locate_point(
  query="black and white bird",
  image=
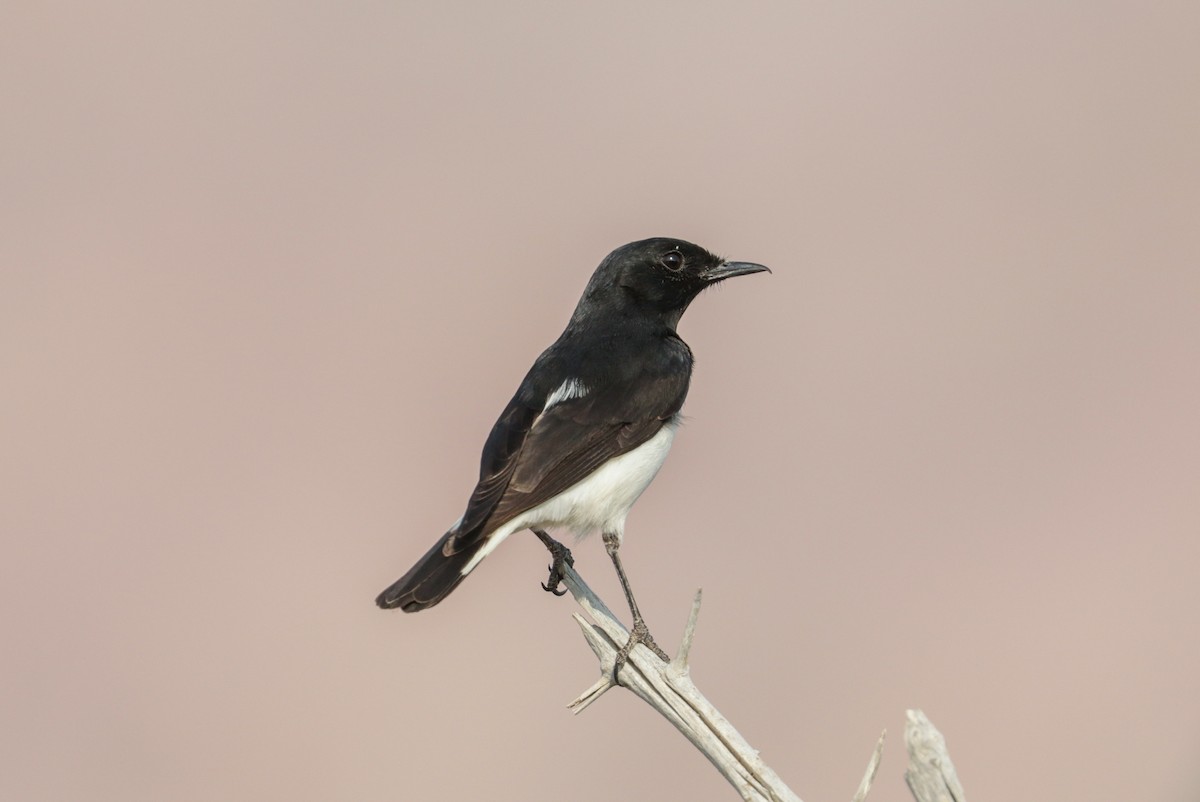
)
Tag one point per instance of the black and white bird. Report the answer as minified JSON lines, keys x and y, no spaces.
{"x":590,"y":425}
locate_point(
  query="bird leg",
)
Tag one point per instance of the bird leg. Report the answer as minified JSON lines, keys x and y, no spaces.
{"x":640,"y":632}
{"x":562,"y":556}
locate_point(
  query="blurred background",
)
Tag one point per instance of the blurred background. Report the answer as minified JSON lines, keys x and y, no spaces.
{"x":270,"y":270}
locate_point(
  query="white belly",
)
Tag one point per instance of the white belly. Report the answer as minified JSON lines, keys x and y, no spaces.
{"x":600,"y":501}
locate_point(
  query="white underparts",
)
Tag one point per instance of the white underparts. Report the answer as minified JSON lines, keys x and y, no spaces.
{"x":600,"y":501}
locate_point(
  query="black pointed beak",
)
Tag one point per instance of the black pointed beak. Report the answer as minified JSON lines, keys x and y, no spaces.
{"x":730,"y":269}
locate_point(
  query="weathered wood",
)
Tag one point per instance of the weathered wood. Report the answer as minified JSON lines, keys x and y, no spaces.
{"x":872,"y":768}
{"x":668,"y":688}
{"x":930,"y":775}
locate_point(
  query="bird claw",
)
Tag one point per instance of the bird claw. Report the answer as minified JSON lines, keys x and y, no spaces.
{"x":639,"y":634}
{"x":562,"y":556}
{"x":555,"y":578}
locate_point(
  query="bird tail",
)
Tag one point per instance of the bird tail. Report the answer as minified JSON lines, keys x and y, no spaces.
{"x":432,"y":578}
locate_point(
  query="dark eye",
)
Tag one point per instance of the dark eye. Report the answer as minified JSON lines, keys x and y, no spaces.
{"x":672,"y":260}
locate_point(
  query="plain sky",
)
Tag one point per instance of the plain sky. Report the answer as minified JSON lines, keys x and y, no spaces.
{"x":269,"y":271}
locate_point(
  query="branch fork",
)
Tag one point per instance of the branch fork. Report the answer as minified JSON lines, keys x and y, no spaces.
{"x":668,"y":688}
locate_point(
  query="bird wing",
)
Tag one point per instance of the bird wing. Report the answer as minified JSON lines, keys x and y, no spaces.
{"x":537,"y":451}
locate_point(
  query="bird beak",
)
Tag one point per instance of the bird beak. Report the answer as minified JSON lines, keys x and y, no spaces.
{"x":731,"y":269}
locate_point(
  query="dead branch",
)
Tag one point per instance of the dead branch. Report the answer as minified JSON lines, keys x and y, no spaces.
{"x":930,"y":775}
{"x":668,"y":688}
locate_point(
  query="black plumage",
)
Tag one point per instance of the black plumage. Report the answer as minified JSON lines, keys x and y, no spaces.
{"x":616,"y":377}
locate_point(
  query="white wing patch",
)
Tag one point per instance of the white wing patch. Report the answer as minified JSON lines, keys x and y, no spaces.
{"x":571,"y":388}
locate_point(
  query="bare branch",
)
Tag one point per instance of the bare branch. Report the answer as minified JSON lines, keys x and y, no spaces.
{"x":930,"y":775}
{"x":872,"y":766}
{"x":668,"y":688}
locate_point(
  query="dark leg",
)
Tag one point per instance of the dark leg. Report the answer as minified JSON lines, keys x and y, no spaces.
{"x":640,"y":632}
{"x":562,"y":556}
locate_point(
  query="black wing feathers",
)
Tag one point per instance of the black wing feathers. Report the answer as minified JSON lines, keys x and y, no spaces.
{"x":533,"y":454}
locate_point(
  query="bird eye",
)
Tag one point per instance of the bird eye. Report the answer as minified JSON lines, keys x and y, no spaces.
{"x":672,"y":260}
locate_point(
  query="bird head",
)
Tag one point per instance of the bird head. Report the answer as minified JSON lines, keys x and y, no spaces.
{"x":656,"y":278}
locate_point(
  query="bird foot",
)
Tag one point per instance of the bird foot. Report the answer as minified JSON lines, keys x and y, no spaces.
{"x":562,"y":556}
{"x":639,"y":634}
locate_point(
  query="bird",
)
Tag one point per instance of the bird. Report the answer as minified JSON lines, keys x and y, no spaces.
{"x":589,"y":426}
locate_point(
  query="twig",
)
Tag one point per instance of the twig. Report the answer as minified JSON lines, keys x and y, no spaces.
{"x":872,"y":767}
{"x":667,"y":688}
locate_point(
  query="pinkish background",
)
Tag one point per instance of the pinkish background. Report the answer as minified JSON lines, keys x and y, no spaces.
{"x":269,"y":271}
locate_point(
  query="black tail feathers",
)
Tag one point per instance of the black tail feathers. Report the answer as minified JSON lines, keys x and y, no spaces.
{"x":431,"y":579}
